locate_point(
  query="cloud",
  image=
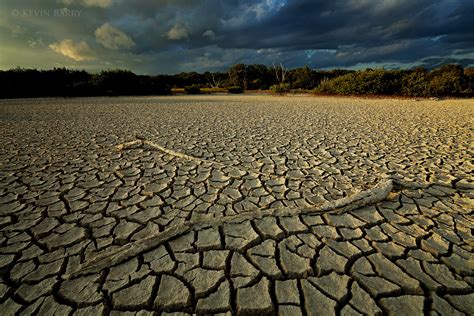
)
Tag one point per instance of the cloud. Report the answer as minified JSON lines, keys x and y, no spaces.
{"x":267,"y":6}
{"x":88,"y":3}
{"x":318,"y":33}
{"x":177,"y":32}
{"x":79,"y":51}
{"x":35,"y":43}
{"x":209,"y":34}
{"x":113,"y":38}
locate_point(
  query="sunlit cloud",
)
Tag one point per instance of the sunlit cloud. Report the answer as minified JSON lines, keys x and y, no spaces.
{"x":177,"y":32}
{"x":79,"y":51}
{"x":113,"y":38}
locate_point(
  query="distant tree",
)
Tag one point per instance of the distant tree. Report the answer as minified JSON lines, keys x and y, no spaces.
{"x":280,"y":72}
{"x":238,"y":76}
{"x":194,"y":89}
{"x":469,"y":74}
{"x":334,"y":73}
{"x":214,"y":79}
{"x":153,"y":85}
{"x":235,"y":90}
{"x":447,"y":80}
{"x":302,"y":78}
{"x":416,"y":83}
{"x":370,"y":81}
{"x":116,"y":82}
{"x":469,"y":81}
{"x":280,"y":88}
{"x":258,"y":77}
{"x":189,"y":78}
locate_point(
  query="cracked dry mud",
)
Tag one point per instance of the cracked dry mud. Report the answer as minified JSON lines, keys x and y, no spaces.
{"x":242,"y":205}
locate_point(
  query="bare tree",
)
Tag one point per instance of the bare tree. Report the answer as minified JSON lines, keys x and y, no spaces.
{"x":216,"y":83}
{"x":280,"y":72}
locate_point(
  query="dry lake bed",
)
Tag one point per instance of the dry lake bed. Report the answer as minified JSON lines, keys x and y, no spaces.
{"x":237,"y":205}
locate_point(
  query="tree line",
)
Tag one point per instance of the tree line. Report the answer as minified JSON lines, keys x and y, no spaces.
{"x":447,"y":80}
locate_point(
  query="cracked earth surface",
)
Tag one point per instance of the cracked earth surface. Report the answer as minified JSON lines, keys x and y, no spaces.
{"x":236,"y":204}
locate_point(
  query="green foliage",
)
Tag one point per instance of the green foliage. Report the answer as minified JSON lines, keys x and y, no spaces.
{"x":124,"y":82}
{"x":303,"y":78}
{"x":280,"y":88}
{"x":115,"y":82}
{"x":238,"y":75}
{"x":469,"y":81}
{"x":26,"y":83}
{"x":371,"y":82}
{"x":250,"y":76}
{"x":300,"y":91}
{"x":448,"y":80}
{"x":153,"y":85}
{"x":259,"y":77}
{"x":235,"y":90}
{"x":184,"y":79}
{"x":192,"y":89}
{"x":64,"y":82}
{"x":341,"y":85}
{"x":416,"y":83}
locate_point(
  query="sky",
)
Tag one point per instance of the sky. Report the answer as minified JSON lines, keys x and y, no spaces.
{"x":172,"y":36}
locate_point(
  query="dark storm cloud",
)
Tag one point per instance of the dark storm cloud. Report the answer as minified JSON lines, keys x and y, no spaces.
{"x":376,"y":29}
{"x":191,"y":35}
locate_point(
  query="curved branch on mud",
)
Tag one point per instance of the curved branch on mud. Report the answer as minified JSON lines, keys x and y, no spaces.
{"x":368,"y":197}
{"x":146,"y":144}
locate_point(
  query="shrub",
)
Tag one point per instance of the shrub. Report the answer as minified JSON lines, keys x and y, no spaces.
{"x":192,"y":89}
{"x":447,"y":80}
{"x":302,"y":78}
{"x":280,"y":88}
{"x":445,"y":84}
{"x":151,"y":86}
{"x":416,"y":83}
{"x":156,"y":90}
{"x":372,"y":82}
{"x":300,"y":91}
{"x":235,"y":90}
{"x":115,"y":82}
{"x":339,"y":85}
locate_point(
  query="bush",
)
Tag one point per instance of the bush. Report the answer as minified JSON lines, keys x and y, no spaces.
{"x":115,"y":82}
{"x":192,"y":90}
{"x":447,"y":80}
{"x":372,"y":82}
{"x":468,"y":82}
{"x":445,"y":84}
{"x":280,"y":88}
{"x":300,"y":91}
{"x":416,"y":83}
{"x":338,"y":85}
{"x":303,"y":78}
{"x":235,"y":90}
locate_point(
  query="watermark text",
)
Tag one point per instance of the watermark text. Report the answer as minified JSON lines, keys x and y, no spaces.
{"x":46,"y":13}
